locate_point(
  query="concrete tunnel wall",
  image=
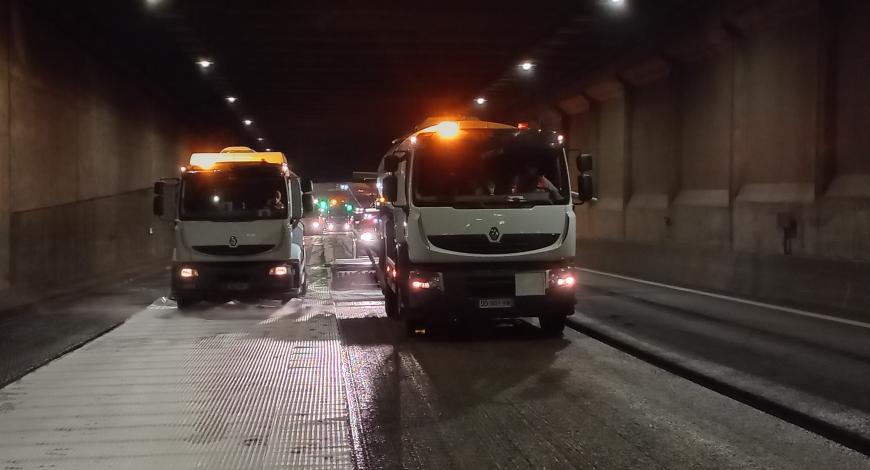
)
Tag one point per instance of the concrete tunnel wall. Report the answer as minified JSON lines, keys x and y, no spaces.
{"x":706,"y":142}
{"x":80,"y":147}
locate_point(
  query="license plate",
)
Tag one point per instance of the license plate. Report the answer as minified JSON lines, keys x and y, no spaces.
{"x":495,"y":303}
{"x":235,"y":286}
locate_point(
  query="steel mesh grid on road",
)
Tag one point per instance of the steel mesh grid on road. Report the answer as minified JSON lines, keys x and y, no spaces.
{"x":235,"y":386}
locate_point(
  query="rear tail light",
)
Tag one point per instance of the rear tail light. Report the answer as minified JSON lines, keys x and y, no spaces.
{"x":563,"y":278}
{"x":425,"y":281}
{"x":278,"y":271}
{"x":188,"y":273}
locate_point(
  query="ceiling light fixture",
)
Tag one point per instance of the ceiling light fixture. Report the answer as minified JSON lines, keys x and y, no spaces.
{"x":204,"y":63}
{"x":232,"y":99}
{"x":248,"y":122}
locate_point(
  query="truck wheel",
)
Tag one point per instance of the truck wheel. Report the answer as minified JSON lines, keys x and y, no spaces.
{"x":184,"y":303}
{"x":391,"y":306}
{"x":553,"y":325}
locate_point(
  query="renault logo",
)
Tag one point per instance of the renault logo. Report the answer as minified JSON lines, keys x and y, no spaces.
{"x":494,"y":234}
{"x":234,"y":242}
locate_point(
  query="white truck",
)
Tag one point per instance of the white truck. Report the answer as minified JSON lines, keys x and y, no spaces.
{"x":238,"y":226}
{"x":479,"y":223}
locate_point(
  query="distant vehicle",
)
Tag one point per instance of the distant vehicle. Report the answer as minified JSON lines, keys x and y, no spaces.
{"x":238,"y":226}
{"x":479,"y":223}
{"x":337,"y":224}
{"x":365,"y":229}
{"x":313,"y":225}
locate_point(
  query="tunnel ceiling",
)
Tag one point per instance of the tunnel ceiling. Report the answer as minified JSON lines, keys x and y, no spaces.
{"x":331,"y":83}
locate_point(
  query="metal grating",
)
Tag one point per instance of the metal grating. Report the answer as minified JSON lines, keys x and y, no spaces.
{"x":229,"y":387}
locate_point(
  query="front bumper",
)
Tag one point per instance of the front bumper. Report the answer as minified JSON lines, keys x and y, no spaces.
{"x":236,"y":280}
{"x":462,"y":291}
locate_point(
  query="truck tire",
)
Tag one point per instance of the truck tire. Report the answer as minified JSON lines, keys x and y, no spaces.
{"x":390,"y":304}
{"x":553,"y":326}
{"x":184,"y":303}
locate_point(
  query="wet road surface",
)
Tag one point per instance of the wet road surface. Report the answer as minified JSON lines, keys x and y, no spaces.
{"x":503,"y":396}
{"x":813,"y":364}
{"x":330,"y":382}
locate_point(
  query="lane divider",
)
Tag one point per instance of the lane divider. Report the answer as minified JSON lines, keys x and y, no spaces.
{"x":816,"y":423}
{"x":754,"y":303}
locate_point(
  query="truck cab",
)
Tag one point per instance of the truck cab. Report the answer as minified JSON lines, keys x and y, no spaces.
{"x":479,"y":223}
{"x":238,"y":227}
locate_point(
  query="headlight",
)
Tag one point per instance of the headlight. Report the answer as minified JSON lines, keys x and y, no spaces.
{"x":347,"y":226}
{"x":316,"y":224}
{"x":330,"y":226}
{"x":367,"y":237}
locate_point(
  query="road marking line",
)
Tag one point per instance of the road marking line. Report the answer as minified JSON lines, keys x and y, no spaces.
{"x":780,"y":308}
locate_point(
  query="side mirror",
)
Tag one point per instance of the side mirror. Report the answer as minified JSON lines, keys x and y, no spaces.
{"x":391,"y":163}
{"x":165,"y":203}
{"x":157,"y":203}
{"x":585,"y":187}
{"x":307,"y":186}
{"x":307,"y":204}
{"x":584,"y":163}
{"x":390,"y":188}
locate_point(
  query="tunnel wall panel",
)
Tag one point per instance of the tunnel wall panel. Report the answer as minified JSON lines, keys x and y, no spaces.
{"x":762,"y":117}
{"x":86,"y":238}
{"x":653,"y":160}
{"x":607,"y":217}
{"x":81,"y":143}
{"x":701,"y":212}
{"x":581,"y":135}
{"x":823,"y":284}
{"x":852,"y":92}
{"x":4,"y":144}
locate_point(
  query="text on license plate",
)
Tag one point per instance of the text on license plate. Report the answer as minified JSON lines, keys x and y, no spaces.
{"x":495,"y":303}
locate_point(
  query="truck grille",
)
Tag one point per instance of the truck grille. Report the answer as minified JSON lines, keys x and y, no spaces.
{"x":480,"y":244}
{"x":224,"y":250}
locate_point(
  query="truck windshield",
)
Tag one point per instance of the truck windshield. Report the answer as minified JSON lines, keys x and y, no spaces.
{"x":487,"y":168}
{"x":233,"y":196}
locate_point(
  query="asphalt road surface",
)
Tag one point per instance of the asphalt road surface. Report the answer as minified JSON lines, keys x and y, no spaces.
{"x":330,"y":382}
{"x":504,"y":397}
